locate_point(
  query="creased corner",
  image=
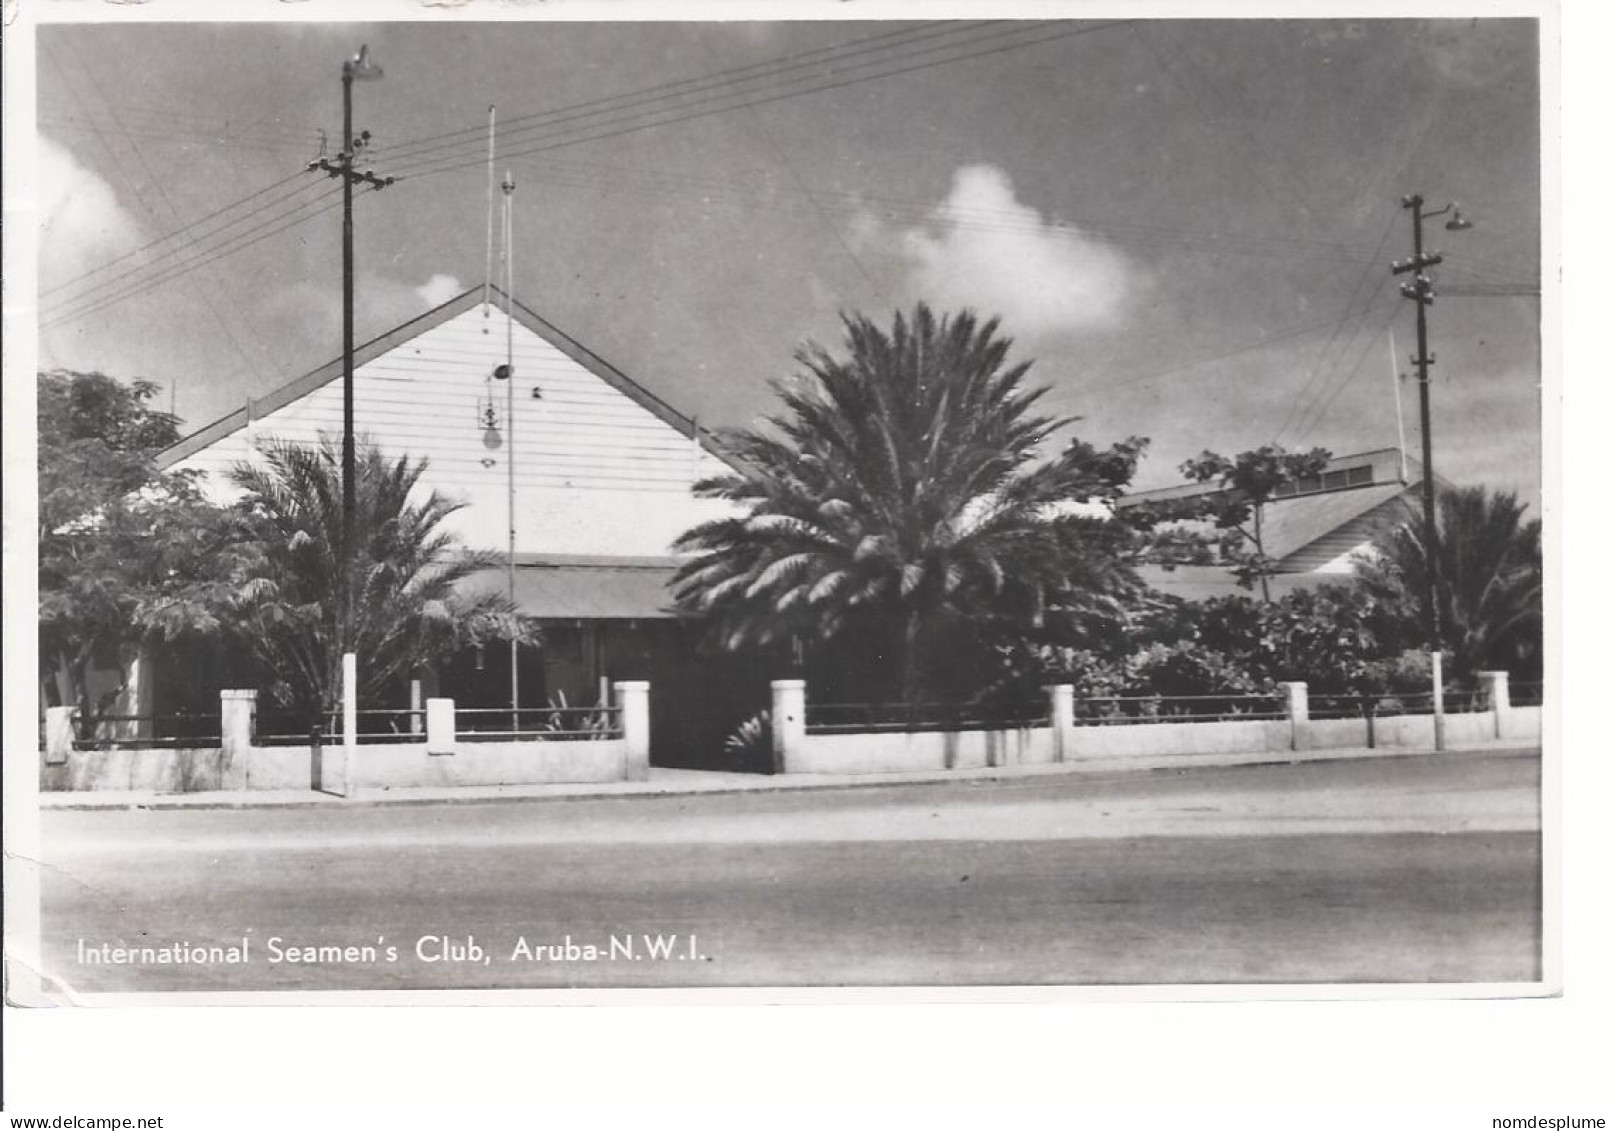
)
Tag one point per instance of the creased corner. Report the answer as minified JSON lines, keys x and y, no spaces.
{"x":29,"y":987}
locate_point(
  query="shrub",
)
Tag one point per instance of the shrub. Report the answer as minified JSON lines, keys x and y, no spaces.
{"x":750,"y":749}
{"x":580,"y":724}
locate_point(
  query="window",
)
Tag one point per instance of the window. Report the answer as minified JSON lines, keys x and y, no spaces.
{"x":1329,"y":481}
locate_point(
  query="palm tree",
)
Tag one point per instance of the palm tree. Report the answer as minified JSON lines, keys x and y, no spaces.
{"x":1489,"y":569}
{"x":408,"y":603}
{"x":901,"y":490}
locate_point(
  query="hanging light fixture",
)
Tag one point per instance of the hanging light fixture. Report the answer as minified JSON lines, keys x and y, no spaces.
{"x":488,"y":421}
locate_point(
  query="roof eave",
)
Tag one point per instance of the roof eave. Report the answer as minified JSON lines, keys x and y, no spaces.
{"x":362,"y":355}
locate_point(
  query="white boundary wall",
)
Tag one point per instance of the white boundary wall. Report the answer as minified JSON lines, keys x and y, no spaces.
{"x":887,"y":752}
{"x":875,"y":752}
{"x":240,"y":765}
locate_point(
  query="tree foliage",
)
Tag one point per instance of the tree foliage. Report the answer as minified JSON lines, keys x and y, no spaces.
{"x":1338,"y":639}
{"x":1489,"y":564}
{"x":1245,"y":484}
{"x":901,"y":489}
{"x":127,"y":553}
{"x":409,"y":604}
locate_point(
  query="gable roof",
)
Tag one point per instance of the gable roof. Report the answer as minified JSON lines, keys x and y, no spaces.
{"x":376,"y":347}
{"x":1383,"y":465}
{"x":1303,"y":532}
{"x":1289,"y":526}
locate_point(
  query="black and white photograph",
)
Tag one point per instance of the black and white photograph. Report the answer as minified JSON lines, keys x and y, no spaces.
{"x":565,"y":506}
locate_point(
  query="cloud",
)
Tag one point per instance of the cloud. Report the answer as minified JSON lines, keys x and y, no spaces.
{"x":82,"y":224}
{"x":381,"y":303}
{"x":983,"y":248}
{"x":439,"y":289}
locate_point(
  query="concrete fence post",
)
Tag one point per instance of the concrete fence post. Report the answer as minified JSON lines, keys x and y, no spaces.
{"x":237,"y":709}
{"x":1496,"y":685}
{"x":440,"y":726}
{"x":1062,"y":717}
{"x":633,"y":697}
{"x":1438,"y":707}
{"x":58,"y":735}
{"x":350,"y":724}
{"x":350,"y":701}
{"x":415,"y":726}
{"x":1295,"y":705}
{"x":789,"y":717}
{"x":136,"y":700}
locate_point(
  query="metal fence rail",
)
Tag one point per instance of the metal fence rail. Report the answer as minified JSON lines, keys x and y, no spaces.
{"x":174,"y":730}
{"x":1125,"y":710}
{"x":1527,"y":694}
{"x":377,"y":725}
{"x":865,"y":718}
{"x":1355,"y":706}
{"x":542,"y":724}
{"x":1352,"y":706}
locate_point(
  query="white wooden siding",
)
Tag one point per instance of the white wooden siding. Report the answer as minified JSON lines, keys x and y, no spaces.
{"x":596,"y":473}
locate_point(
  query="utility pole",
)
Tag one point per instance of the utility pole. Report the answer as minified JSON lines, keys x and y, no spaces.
{"x":1421,"y":289}
{"x":342,"y":166}
{"x":509,"y":187}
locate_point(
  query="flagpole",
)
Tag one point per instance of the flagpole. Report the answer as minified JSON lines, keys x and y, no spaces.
{"x":1396,"y":394}
{"x":509,"y":187}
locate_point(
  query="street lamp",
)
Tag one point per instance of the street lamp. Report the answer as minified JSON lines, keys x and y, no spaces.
{"x":357,"y":69}
{"x":1421,"y":289}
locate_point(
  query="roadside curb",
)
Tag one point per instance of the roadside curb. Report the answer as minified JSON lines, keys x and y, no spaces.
{"x":762,"y":784}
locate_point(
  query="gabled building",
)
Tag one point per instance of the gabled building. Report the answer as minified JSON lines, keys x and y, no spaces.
{"x":603,"y":471}
{"x":1313,"y":528}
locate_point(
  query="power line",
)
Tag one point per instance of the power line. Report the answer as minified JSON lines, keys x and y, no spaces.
{"x":170,"y":115}
{"x":132,"y":277}
{"x":1212,"y":242}
{"x":142,"y":288}
{"x":174,"y":234}
{"x":117,"y":159}
{"x":1248,"y":347}
{"x":1351,"y":375}
{"x":776,"y":97}
{"x":171,"y":124}
{"x":162,"y":193}
{"x":1433,"y":115}
{"x":211,"y":255}
{"x":796,"y":175}
{"x":663,"y":91}
{"x":1491,"y":290}
{"x":288,"y":196}
{"x":1122,"y":232}
{"x":1335,"y":375}
{"x":1317,"y":375}
{"x":258,"y":145}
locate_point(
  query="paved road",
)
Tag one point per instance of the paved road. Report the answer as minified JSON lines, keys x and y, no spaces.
{"x":1407,"y":869}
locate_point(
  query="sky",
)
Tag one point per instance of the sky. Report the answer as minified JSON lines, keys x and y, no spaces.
{"x":1186,"y":225}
